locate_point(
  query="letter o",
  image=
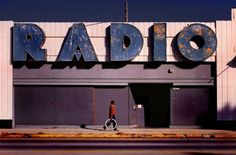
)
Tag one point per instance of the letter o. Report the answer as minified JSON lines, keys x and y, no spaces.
{"x":202,"y":36}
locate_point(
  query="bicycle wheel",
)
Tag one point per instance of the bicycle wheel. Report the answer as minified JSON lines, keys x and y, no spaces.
{"x":111,"y":124}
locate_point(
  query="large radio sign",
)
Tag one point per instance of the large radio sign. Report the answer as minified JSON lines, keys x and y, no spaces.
{"x":126,"y":42}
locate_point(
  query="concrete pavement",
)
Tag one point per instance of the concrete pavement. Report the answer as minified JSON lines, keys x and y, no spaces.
{"x":123,"y":132}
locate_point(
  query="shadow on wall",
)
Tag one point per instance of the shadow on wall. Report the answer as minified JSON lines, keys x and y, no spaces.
{"x":229,"y":114}
{"x":206,"y":120}
{"x":177,"y":54}
{"x":232,"y":63}
{"x":29,"y":65}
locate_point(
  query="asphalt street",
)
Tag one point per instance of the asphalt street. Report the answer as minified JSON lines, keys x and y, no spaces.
{"x":117,"y":146}
{"x":92,"y":140}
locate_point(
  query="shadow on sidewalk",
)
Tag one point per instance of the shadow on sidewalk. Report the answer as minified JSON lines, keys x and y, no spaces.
{"x":83,"y":126}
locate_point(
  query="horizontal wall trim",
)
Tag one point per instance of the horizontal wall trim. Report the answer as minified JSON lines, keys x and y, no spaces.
{"x":112,"y":82}
{"x":74,"y":84}
{"x":193,"y":84}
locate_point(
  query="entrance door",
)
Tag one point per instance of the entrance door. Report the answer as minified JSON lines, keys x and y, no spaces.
{"x":155,"y":99}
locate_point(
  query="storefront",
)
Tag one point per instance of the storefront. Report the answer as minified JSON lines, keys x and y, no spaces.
{"x":50,"y":107}
{"x":159,"y":74}
{"x":65,"y":100}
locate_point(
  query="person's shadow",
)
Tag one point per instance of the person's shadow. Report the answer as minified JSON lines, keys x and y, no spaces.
{"x":83,"y":126}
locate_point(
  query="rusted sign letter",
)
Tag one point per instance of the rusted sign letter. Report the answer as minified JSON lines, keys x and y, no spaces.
{"x":77,"y":44}
{"x":28,"y":39}
{"x":126,"y":42}
{"x":203,"y":39}
{"x":159,"y":42}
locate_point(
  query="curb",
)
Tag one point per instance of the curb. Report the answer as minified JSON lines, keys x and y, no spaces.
{"x":119,"y":135}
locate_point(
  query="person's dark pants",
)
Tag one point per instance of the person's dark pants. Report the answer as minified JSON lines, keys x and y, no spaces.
{"x":114,"y":117}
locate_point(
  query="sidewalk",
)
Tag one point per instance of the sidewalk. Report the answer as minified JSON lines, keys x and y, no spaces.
{"x":123,"y":132}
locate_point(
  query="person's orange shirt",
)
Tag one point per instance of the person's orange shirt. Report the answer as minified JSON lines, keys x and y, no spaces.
{"x":112,"y":110}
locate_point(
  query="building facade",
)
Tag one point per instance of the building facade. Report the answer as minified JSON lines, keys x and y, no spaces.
{"x":159,"y":74}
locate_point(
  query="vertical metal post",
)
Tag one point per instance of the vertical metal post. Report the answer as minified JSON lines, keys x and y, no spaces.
{"x":126,"y":11}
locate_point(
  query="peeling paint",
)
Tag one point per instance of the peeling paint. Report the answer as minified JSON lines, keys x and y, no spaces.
{"x":78,"y":44}
{"x":159,"y":41}
{"x":160,"y":31}
{"x":205,"y":38}
{"x":30,"y":38}
{"x":208,"y":51}
{"x":118,"y":32}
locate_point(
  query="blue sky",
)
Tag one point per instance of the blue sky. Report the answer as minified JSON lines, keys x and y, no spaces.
{"x":113,"y":10}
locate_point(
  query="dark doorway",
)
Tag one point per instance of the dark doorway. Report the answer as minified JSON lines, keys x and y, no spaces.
{"x":155,"y":99}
